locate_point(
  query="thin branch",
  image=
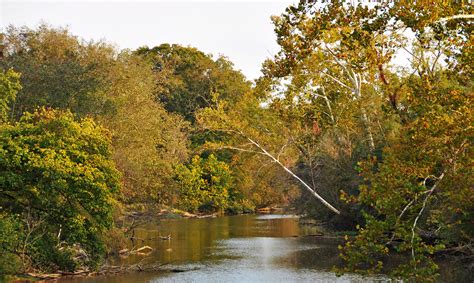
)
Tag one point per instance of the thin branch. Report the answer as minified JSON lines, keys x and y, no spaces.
{"x":438,"y":55}
{"x":411,"y":53}
{"x":281,"y":150}
{"x":337,"y":81}
{"x":425,"y":201}
{"x":328,"y":103}
{"x":339,"y":63}
{"x":264,"y":166}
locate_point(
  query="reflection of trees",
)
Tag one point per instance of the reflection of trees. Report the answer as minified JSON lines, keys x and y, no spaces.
{"x":320,"y":254}
{"x":195,"y":240}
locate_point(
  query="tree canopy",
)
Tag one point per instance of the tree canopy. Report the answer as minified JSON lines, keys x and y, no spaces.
{"x":188,"y":79}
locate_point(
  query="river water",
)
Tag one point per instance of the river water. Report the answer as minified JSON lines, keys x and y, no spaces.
{"x":242,"y":248}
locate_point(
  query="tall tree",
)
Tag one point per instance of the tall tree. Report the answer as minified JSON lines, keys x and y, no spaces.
{"x":58,"y":70}
{"x":188,"y":79}
{"x":148,"y":141}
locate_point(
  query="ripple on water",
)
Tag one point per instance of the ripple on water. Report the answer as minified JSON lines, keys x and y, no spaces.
{"x":242,"y":248}
{"x":275,"y":216}
{"x":261,"y":259}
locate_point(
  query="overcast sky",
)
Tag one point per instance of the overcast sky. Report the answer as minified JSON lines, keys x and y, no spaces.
{"x":240,"y":30}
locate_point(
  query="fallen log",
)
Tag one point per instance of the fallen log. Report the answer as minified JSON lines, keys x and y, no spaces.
{"x":45,"y":276}
{"x":143,"y":249}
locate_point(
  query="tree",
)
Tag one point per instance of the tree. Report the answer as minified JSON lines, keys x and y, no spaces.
{"x":339,"y":56}
{"x":57,"y":187}
{"x":324,"y":83}
{"x":336,"y":78}
{"x":187,"y":79}
{"x":9,"y":87}
{"x":147,"y":140}
{"x":205,"y":184}
{"x":253,"y":129}
{"x":58,"y":70}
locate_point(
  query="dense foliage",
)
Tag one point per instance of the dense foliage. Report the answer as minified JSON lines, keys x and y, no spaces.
{"x":421,"y":195}
{"x":91,"y":79}
{"x":57,"y":189}
{"x":58,"y":70}
{"x":9,"y":87}
{"x":205,"y":184}
{"x":188,"y":80}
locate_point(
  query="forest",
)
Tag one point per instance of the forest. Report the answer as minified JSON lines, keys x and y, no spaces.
{"x":362,"y":120}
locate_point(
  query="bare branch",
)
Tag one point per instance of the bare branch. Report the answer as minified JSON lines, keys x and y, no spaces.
{"x":327,"y":204}
{"x":281,"y":150}
{"x":425,"y":201}
{"x":328,"y":103}
{"x":438,"y":55}
{"x":454,"y":17}
{"x":337,"y":81}
{"x":264,"y":166}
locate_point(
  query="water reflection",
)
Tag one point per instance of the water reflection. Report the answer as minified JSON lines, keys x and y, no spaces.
{"x":192,"y":239}
{"x":244,"y":248}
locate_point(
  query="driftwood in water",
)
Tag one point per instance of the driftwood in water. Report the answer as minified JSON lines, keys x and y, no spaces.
{"x":145,"y":250}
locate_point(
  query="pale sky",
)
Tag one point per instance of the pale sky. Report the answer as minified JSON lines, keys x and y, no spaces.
{"x":240,"y":30}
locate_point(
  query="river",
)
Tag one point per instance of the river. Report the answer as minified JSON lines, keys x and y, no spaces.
{"x":241,"y":248}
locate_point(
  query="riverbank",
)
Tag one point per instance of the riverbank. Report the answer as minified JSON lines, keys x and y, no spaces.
{"x":106,"y":270}
{"x":167,"y":212}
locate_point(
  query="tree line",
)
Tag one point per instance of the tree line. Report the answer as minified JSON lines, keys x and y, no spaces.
{"x":89,"y":131}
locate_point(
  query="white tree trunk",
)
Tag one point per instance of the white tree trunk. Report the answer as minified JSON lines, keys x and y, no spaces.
{"x":306,"y":186}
